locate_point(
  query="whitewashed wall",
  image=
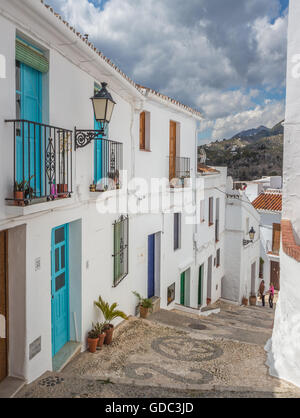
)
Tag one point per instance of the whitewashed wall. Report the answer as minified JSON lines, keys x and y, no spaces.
{"x":284,"y":348}
{"x":239,"y":258}
{"x":68,"y":87}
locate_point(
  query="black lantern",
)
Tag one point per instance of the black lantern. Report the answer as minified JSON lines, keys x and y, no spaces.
{"x":103,"y":105}
{"x":252,"y":233}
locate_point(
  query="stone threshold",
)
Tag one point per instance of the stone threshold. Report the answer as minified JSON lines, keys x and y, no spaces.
{"x":10,"y":386}
{"x":65,"y":355}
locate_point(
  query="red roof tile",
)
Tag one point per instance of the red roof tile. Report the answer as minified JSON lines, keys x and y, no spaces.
{"x":202,"y":168}
{"x":268,"y":201}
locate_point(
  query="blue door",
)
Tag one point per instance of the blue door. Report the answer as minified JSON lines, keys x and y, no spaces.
{"x":151,"y":266}
{"x":28,"y":142}
{"x":60,"y":287}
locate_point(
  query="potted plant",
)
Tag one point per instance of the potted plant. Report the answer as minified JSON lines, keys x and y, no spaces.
{"x":253,"y":299}
{"x":146,"y":305}
{"x":93,"y":188}
{"x":62,"y":190}
{"x":110,"y":313}
{"x":99,"y":329}
{"x":93,"y":339}
{"x":23,"y":190}
{"x":245,"y":301}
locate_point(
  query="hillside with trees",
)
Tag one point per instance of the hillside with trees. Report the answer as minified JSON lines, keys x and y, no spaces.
{"x":249,"y":154}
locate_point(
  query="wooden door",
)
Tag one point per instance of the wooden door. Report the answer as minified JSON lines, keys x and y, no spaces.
{"x":3,"y":306}
{"x":172,"y":161}
{"x":143,"y":131}
{"x":275,"y":275}
{"x":276,"y":238}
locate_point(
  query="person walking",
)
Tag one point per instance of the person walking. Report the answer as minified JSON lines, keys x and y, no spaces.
{"x":262,"y":292}
{"x":271,"y":295}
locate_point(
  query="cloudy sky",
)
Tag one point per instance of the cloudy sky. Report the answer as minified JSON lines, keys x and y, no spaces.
{"x":226,"y":58}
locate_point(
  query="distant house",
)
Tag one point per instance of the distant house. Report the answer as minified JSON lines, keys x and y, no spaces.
{"x":269,"y":206}
{"x":241,"y":248}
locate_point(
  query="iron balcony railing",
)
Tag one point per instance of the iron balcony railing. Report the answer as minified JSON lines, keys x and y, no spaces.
{"x":108,"y":163}
{"x":183,"y":167}
{"x":42,"y":162}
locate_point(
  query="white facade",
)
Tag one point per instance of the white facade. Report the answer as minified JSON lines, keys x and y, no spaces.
{"x":242,"y":259}
{"x":73,"y":69}
{"x":267,"y":220}
{"x":284,"y":347}
{"x":206,"y":244}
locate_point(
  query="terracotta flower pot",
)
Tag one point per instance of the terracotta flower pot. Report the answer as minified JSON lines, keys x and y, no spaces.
{"x":208,"y":301}
{"x":144,"y":312}
{"x":19,"y":196}
{"x":245,"y":301}
{"x":92,"y":342}
{"x":109,"y":334}
{"x":62,"y":190}
{"x":101,"y":340}
{"x":252,"y":300}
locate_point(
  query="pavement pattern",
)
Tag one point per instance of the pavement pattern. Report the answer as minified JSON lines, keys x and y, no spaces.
{"x":175,"y":354}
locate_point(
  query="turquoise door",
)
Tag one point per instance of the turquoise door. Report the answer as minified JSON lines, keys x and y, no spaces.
{"x":60,"y":287}
{"x":28,"y":142}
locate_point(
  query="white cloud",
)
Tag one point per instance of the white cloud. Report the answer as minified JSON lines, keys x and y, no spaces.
{"x":267,"y":115}
{"x":215,"y":55}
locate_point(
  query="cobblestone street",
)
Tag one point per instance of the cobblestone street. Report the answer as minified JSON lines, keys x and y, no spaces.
{"x":175,"y":354}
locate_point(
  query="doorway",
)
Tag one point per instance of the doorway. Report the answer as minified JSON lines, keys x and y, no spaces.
{"x":60,"y":287}
{"x":209,"y":280}
{"x":3,"y":307}
{"x":275,"y":275}
{"x":253,"y":279}
{"x":154,"y":250}
{"x":200,"y":285}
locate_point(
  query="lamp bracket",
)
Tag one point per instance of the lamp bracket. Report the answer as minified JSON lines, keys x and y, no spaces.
{"x":84,"y":137}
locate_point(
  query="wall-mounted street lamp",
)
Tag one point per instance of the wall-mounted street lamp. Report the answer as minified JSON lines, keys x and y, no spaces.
{"x":103,"y":105}
{"x":251,"y":235}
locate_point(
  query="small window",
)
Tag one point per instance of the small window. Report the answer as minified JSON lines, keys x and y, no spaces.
{"x":121,"y":235}
{"x":211,"y":211}
{"x":218,"y":258}
{"x":145,"y":131}
{"x":177,"y":231}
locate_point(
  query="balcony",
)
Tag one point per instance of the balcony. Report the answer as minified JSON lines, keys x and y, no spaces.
{"x":179,"y":170}
{"x":108,"y":163}
{"x":43,"y":165}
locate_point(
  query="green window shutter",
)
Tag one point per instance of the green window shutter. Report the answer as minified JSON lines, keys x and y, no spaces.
{"x":120,"y":250}
{"x":29,"y":56}
{"x":117,"y":244}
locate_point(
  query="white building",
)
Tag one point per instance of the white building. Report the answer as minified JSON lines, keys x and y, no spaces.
{"x":68,"y":239}
{"x":284,"y":347}
{"x":242,"y":251}
{"x":210,"y":234}
{"x":59,"y":252}
{"x":269,"y":206}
